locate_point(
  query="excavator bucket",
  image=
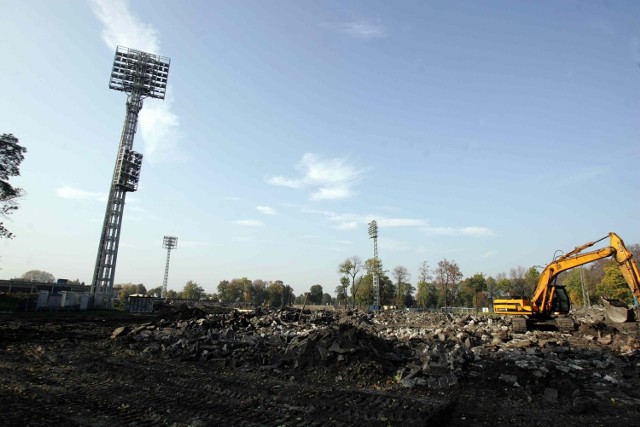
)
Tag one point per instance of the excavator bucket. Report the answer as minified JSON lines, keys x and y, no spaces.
{"x":617,"y":311}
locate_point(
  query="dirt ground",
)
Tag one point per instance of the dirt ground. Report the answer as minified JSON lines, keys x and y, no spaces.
{"x":66,"y":369}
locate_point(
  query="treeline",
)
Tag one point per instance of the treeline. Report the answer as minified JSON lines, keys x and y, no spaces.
{"x":441,"y":286}
{"x":445,"y":285}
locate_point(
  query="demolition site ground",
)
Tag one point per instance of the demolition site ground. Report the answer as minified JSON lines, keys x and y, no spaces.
{"x":188,"y":367}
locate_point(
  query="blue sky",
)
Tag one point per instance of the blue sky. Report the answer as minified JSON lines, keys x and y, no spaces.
{"x":490,"y":133}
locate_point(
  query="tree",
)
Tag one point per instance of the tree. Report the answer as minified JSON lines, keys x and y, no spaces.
{"x":260,"y":295}
{"x":531,"y":278}
{"x":276,"y":292}
{"x":503,"y":285}
{"x":351,"y":267}
{"x":326,"y":299}
{"x":402,"y":276}
{"x":614,"y":285}
{"x":518,"y":284}
{"x":126,"y":289}
{"x":448,"y":275}
{"x":155,"y":292}
{"x":492,"y":288}
{"x":476,"y":284}
{"x":424,"y":276}
{"x":11,"y":155}
{"x":573,"y":282}
{"x":192,"y":291}
{"x":315,"y":295}
{"x":341,"y":291}
{"x":39,"y":276}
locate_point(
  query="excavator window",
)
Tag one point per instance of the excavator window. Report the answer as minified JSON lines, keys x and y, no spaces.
{"x":561,"y":303}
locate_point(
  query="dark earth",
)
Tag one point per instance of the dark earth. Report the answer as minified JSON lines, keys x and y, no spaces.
{"x":191,"y":368}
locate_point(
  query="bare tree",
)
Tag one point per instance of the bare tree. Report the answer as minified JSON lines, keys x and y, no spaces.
{"x":424,"y":274}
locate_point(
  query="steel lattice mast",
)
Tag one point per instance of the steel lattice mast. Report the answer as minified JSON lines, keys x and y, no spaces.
{"x":140,"y":75}
{"x":168,"y":243}
{"x":373,"y":234}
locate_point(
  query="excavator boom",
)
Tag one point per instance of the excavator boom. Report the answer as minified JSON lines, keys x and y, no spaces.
{"x":550,"y":300}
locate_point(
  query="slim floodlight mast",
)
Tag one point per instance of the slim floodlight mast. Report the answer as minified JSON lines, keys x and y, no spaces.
{"x":140,"y":75}
{"x":168,"y":243}
{"x":373,"y":234}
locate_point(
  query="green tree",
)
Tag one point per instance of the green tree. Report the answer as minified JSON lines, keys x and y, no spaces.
{"x":492,"y":288}
{"x":39,"y":276}
{"x":531,"y":278}
{"x":402,"y":276}
{"x":351,"y":267}
{"x":315,"y":294}
{"x":126,"y":289}
{"x":11,"y":155}
{"x":155,"y":292}
{"x":341,"y":291}
{"x":276,"y":292}
{"x":573,"y":281}
{"x":476,"y":284}
{"x":364,"y":296}
{"x":192,"y":291}
{"x":260,"y":295}
{"x":448,"y":277}
{"x":503,"y":285}
{"x":423,"y":291}
{"x":326,"y":299}
{"x":613,"y":285}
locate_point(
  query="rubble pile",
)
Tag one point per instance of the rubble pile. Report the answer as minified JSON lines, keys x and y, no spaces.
{"x":430,"y":350}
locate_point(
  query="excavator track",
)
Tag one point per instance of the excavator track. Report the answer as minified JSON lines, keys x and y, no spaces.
{"x":565,"y":324}
{"x":519,"y":325}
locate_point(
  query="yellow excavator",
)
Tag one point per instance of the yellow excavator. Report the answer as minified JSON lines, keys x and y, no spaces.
{"x":550,"y":303}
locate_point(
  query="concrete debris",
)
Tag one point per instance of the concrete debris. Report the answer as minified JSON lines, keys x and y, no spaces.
{"x":416,"y":349}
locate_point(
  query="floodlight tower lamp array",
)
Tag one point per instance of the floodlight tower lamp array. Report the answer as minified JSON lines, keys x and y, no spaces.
{"x":169,"y":243}
{"x":140,"y":75}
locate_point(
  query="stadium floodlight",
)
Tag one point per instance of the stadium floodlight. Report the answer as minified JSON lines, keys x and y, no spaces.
{"x":140,"y":75}
{"x":373,"y":234}
{"x":169,"y":243}
{"x":373,"y":229}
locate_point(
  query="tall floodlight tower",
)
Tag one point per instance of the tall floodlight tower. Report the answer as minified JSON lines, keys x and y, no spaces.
{"x":168,"y":243}
{"x":373,"y":234}
{"x":140,"y":75}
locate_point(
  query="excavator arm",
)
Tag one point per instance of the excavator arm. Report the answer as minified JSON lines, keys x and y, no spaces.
{"x":544,"y":302}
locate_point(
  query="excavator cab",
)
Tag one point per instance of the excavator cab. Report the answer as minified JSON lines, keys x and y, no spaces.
{"x":561,"y":303}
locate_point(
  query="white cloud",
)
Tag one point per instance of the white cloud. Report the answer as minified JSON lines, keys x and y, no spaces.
{"x":284,"y":182}
{"x":266,"y":210}
{"x":397,"y":222}
{"x":67,"y":192}
{"x":459,"y":231}
{"x":330,"y":179}
{"x":121,"y":27}
{"x":249,"y":222}
{"x":159,"y":126}
{"x":192,"y":244}
{"x":489,"y":254}
{"x":362,"y":29}
{"x":348,"y":221}
{"x":393,"y":245}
